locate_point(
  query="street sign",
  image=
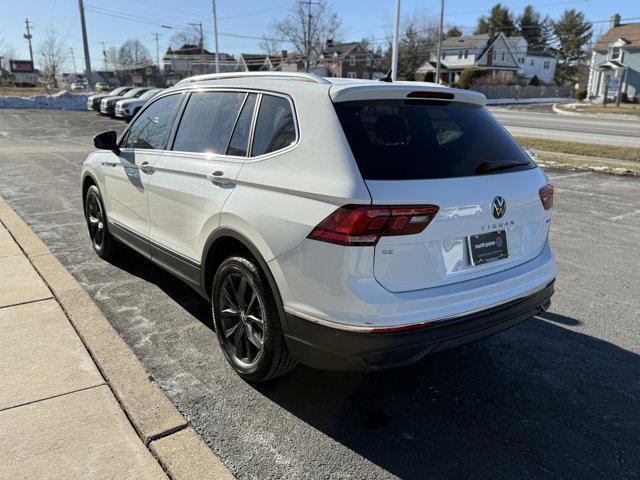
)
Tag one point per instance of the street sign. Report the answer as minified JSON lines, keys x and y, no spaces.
{"x":613,"y":87}
{"x":21,"y":66}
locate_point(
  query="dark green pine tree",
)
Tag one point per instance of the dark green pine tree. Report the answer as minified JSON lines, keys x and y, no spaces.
{"x":500,"y":19}
{"x":572,"y":36}
{"x":535,"y":30}
{"x":453,"y":32}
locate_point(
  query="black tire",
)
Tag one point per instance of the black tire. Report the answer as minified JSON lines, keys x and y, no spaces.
{"x":101,"y":240}
{"x":248,"y":327}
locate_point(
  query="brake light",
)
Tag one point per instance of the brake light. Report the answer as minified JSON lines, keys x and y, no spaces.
{"x":355,"y":225}
{"x":546,"y":196}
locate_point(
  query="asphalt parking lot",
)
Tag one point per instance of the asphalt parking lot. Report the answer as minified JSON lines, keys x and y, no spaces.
{"x":555,"y":397}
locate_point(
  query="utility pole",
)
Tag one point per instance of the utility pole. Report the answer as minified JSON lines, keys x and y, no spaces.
{"x":85,"y":42}
{"x":104,"y":55}
{"x":394,"y":47}
{"x":28,"y":36}
{"x":215,"y":34}
{"x":198,"y":28}
{"x":157,"y":37}
{"x":73,"y":60}
{"x":307,"y":40}
{"x":440,"y":42}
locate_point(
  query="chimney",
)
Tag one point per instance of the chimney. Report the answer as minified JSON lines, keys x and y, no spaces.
{"x":492,"y":35}
{"x":329,"y":42}
{"x":615,"y":20}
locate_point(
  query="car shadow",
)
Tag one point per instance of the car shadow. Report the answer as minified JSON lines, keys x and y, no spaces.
{"x":536,"y":401}
{"x":541,"y":400}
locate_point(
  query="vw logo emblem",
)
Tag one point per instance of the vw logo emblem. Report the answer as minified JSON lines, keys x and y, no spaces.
{"x":498,"y":207}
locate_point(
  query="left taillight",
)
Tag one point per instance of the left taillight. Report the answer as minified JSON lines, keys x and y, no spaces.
{"x":356,"y":225}
{"x":546,"y":196}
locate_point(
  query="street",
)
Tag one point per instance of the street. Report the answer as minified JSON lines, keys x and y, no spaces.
{"x":555,"y":397}
{"x":535,"y":122}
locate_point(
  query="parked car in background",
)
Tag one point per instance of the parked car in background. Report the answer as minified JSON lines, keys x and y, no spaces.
{"x":93,"y":101}
{"x":108,"y":104}
{"x":101,"y":87}
{"x":78,"y":86}
{"x":319,"y":216}
{"x":127,"y":108}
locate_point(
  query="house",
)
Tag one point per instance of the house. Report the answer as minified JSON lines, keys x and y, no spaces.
{"x":191,"y":60}
{"x":259,"y":62}
{"x":508,"y":58}
{"x":616,"y":56}
{"x":347,"y":60}
{"x":533,"y":63}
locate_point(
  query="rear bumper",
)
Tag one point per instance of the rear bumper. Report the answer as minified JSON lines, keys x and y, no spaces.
{"x":327,"y":348}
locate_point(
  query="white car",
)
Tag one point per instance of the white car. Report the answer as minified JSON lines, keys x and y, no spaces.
{"x":78,"y":86}
{"x":128,"y":108}
{"x":318,"y":216}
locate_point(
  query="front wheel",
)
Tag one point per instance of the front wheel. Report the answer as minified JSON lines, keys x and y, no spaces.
{"x":101,"y":240}
{"x":247,"y":321}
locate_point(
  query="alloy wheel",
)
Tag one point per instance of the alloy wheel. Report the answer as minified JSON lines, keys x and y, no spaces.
{"x":242,"y":318}
{"x":95,"y":220}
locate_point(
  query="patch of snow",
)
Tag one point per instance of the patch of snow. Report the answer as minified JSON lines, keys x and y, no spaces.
{"x":60,"y":101}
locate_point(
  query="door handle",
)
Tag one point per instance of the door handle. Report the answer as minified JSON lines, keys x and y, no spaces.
{"x":109,"y":164}
{"x":218,"y":178}
{"x":146,"y":168}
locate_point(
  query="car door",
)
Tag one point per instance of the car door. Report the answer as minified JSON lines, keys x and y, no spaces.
{"x":127,"y":173}
{"x":193,"y":180}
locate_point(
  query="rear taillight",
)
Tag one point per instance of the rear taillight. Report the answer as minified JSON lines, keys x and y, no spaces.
{"x":355,"y":225}
{"x":546,"y":196}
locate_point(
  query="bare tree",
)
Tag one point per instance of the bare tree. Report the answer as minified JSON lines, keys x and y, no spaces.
{"x":133,"y":53}
{"x":270,"y":46}
{"x":419,"y":34}
{"x":308,"y":34}
{"x":7,"y":52}
{"x":51,"y":54}
{"x":189,"y":36}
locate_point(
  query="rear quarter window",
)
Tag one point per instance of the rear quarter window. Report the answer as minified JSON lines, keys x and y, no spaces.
{"x":417,"y":139}
{"x":275,"y":127}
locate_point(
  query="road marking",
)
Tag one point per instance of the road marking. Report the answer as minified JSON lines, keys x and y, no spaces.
{"x":625,"y":215}
{"x":570,"y":175}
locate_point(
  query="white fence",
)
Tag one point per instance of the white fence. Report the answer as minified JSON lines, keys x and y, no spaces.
{"x":519,"y":92}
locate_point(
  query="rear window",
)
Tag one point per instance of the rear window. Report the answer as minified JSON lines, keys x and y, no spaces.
{"x":414,"y":139}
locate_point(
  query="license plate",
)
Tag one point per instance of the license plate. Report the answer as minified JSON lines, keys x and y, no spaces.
{"x":487,"y":247}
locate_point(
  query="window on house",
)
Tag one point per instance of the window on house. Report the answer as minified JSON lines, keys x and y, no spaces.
{"x":444,"y":55}
{"x":466,"y":54}
{"x":615,"y":53}
{"x":546,"y":64}
{"x":351,"y":74}
{"x":502,"y":55}
{"x":521,"y":60}
{"x":352,"y":60}
{"x":460,"y":55}
{"x":368,"y":61}
{"x":532,"y":62}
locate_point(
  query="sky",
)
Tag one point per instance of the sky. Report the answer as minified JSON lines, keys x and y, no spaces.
{"x":241,"y":23}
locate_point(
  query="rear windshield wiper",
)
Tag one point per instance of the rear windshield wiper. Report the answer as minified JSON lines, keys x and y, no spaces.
{"x":486,"y":167}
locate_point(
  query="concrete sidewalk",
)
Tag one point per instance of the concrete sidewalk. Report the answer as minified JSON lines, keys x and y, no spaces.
{"x":58,"y":416}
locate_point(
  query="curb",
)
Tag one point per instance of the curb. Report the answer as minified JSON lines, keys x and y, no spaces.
{"x":620,"y":116}
{"x":159,"y":424}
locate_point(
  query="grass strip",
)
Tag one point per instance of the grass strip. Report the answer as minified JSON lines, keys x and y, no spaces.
{"x":631,"y":154}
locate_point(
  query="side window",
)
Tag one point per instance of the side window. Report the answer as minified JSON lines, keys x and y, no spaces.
{"x":275,"y":128}
{"x":151,"y":129}
{"x":240,"y":139}
{"x":207,"y":122}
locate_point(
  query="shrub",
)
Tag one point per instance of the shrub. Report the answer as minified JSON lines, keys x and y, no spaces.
{"x":624,"y":98}
{"x":469,"y":75}
{"x":535,"y":81}
{"x":581,"y":94}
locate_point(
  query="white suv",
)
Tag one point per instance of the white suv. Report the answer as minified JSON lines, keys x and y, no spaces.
{"x":344,"y":224}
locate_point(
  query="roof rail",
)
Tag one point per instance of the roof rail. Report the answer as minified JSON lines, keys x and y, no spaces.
{"x":309,"y":77}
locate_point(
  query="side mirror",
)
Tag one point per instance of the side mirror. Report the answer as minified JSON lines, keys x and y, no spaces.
{"x":107,"y":141}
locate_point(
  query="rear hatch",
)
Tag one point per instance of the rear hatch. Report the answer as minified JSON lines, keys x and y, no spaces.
{"x":422,"y":150}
